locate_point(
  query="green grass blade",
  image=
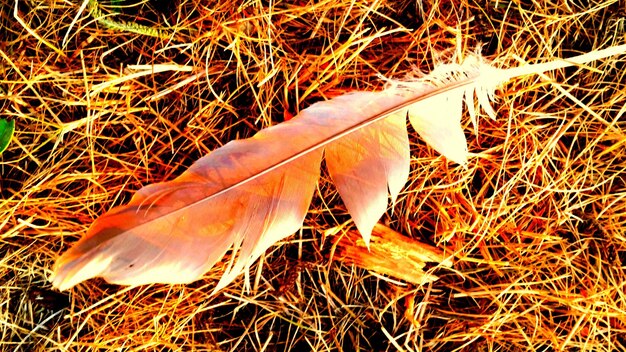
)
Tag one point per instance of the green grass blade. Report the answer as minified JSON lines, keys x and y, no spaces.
{"x":6,"y":133}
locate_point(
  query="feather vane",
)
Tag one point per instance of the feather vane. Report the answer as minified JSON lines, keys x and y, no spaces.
{"x":252,"y":193}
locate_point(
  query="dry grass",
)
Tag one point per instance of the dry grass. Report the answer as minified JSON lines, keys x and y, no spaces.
{"x":537,"y":219}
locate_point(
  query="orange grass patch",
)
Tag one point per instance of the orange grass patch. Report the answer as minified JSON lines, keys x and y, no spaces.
{"x":536,"y":221}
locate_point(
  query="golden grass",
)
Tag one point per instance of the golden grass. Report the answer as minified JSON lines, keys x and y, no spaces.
{"x":537,"y":220}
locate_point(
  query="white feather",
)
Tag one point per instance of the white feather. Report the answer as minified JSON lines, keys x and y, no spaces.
{"x":252,"y":193}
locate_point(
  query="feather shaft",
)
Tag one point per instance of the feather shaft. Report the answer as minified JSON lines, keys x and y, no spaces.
{"x":340,"y":134}
{"x":252,"y":193}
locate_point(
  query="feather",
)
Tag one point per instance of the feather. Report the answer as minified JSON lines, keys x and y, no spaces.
{"x":252,"y":193}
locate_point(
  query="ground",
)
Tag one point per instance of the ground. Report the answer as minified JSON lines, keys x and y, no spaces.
{"x":108,"y":97}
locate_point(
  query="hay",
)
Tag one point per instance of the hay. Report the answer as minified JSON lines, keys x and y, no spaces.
{"x":536,"y":221}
